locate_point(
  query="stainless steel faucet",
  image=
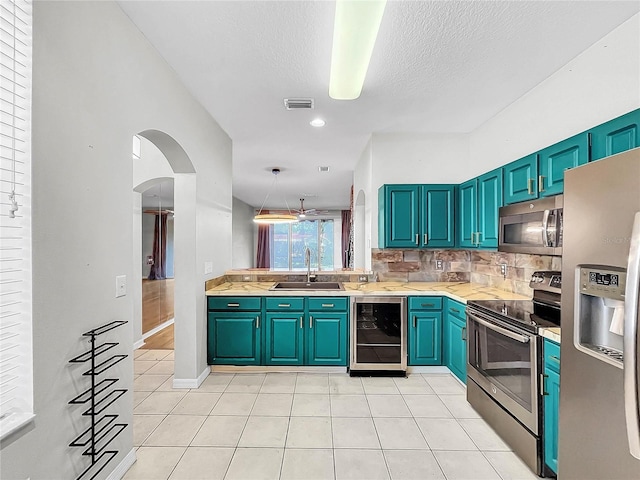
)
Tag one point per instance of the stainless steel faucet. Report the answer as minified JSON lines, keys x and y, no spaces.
{"x":307,"y":262}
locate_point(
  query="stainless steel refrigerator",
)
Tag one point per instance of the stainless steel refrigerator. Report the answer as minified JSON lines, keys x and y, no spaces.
{"x":599,"y":428}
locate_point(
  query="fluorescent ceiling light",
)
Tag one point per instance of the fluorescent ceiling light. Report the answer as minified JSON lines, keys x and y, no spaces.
{"x":354,"y":36}
{"x":317,"y":122}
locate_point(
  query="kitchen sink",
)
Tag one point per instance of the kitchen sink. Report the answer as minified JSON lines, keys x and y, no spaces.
{"x":307,"y":286}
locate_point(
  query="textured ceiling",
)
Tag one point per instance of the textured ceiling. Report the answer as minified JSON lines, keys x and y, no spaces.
{"x":438,"y":66}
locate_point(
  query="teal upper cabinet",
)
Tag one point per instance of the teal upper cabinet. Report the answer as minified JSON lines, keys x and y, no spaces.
{"x":554,"y":160}
{"x":490,"y":193}
{"x":477,"y":210}
{"x":437,"y":216}
{"x":520,"y":180}
{"x":615,"y":136}
{"x":399,"y":216}
{"x":416,"y":216}
{"x":467,"y":213}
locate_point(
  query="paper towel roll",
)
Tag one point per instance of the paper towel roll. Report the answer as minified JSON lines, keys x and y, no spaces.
{"x":617,"y":321}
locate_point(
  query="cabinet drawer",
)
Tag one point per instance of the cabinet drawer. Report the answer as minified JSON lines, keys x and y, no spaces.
{"x":284,"y":303}
{"x":329,"y":304}
{"x":234,"y":303}
{"x":551,"y":355}
{"x":425,"y":303}
{"x":457,"y":309}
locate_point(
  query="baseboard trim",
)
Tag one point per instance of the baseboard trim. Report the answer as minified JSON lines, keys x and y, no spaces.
{"x":275,"y":368}
{"x":122,"y":468}
{"x":138,"y":344}
{"x":428,"y":369}
{"x":155,"y":330}
{"x":191,"y":382}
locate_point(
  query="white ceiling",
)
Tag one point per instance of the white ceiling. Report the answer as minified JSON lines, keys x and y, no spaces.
{"x":438,"y":66}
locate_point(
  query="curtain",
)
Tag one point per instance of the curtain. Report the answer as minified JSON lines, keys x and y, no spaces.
{"x":263,"y":259}
{"x":346,"y":238}
{"x":159,"y":268}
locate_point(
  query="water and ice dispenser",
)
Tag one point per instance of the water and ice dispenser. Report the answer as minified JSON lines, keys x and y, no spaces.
{"x":599,"y":312}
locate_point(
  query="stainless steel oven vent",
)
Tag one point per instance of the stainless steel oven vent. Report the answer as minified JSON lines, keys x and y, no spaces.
{"x":298,"y":103}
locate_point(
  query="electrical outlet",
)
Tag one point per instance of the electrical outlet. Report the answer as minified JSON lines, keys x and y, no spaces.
{"x":439,"y":265}
{"x":121,"y":286}
{"x":246,"y":278}
{"x":363,"y":278}
{"x":503,"y":270}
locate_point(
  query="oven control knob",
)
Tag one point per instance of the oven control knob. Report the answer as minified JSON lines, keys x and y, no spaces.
{"x":493,"y":389}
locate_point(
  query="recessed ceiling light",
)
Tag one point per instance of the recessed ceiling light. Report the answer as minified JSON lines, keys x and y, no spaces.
{"x":317,"y":122}
{"x":323,"y":169}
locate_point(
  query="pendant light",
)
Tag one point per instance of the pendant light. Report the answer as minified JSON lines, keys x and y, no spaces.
{"x":272,"y":218}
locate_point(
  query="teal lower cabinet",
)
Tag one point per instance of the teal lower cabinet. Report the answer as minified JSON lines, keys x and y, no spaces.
{"x":284,"y":338}
{"x":234,"y":338}
{"x":551,"y":403}
{"x":424,"y":331}
{"x":327,"y":339}
{"x":455,"y":339}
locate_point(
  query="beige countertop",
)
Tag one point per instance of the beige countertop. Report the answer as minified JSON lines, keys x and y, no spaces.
{"x":552,"y":333}
{"x":460,"y":291}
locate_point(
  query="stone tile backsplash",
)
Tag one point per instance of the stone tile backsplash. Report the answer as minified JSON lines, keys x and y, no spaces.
{"x":477,"y":266}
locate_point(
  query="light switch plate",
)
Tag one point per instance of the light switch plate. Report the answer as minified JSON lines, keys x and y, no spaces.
{"x":208,"y":267}
{"x":121,"y":286}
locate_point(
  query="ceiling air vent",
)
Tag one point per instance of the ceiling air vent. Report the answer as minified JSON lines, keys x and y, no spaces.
{"x":298,"y":103}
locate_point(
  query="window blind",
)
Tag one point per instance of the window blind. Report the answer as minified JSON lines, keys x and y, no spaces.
{"x":16,"y":358}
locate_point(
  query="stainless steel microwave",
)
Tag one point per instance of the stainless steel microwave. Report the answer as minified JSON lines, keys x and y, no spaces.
{"x":532,"y":227}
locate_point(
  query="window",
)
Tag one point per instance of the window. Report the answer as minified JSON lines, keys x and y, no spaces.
{"x":16,"y":359}
{"x":289,"y":241}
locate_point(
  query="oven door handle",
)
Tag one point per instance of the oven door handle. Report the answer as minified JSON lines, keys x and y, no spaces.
{"x":501,"y":330}
{"x":545,"y":228}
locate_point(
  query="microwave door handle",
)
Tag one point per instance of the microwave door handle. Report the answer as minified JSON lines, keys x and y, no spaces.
{"x":545,"y":228}
{"x":500,"y":330}
{"x":630,"y":342}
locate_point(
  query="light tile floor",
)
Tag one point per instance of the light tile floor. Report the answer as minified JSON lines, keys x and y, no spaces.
{"x":310,"y":427}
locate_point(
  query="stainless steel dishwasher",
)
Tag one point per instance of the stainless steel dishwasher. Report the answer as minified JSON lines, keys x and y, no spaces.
{"x":378,"y":336}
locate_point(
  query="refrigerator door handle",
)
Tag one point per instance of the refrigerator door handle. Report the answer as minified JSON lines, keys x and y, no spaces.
{"x":630,"y":341}
{"x":545,"y":228}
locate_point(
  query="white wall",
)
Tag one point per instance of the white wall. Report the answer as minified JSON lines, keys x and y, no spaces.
{"x":600,"y":84}
{"x":97,"y":82}
{"x":244,"y":235}
{"x":362,"y":227}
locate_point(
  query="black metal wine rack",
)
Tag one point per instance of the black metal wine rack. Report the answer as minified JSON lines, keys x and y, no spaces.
{"x":104,"y":427}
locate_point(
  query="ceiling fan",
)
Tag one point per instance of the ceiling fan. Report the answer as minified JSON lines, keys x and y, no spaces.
{"x":308,"y":212}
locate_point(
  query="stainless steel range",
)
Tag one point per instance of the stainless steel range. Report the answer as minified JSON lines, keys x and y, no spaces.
{"x":504,"y":363}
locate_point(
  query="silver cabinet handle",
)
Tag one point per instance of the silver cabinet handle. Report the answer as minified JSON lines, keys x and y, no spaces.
{"x":258,"y":321}
{"x":543,"y":391}
{"x":463,"y":334}
{"x":530,"y":186}
{"x":478,"y":237}
{"x":426,"y":238}
{"x":301,"y":322}
{"x":310,"y":321}
{"x":284,"y":305}
{"x":541,"y":183}
{"x":426,"y":304}
{"x":545,"y":228}
{"x":417,"y":239}
{"x":454,"y":310}
{"x":630,"y":341}
{"x":233,"y":305}
{"x":415,"y":318}
{"x":500,"y":330}
{"x":327,"y":305}
{"x":554,"y":359}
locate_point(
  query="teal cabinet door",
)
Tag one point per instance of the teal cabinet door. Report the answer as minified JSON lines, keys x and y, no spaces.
{"x":467,"y":213}
{"x":554,"y":160}
{"x":455,"y":339}
{"x":437,"y":216}
{"x":520,"y":180}
{"x":616,"y":136}
{"x":284,"y":338}
{"x":399,"y":212}
{"x":234,"y":338}
{"x":551,"y":409}
{"x":425,"y":338}
{"x":490,"y":194}
{"x":327,"y":340}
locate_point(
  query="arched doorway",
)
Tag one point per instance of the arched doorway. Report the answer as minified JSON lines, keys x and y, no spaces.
{"x":176,"y":167}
